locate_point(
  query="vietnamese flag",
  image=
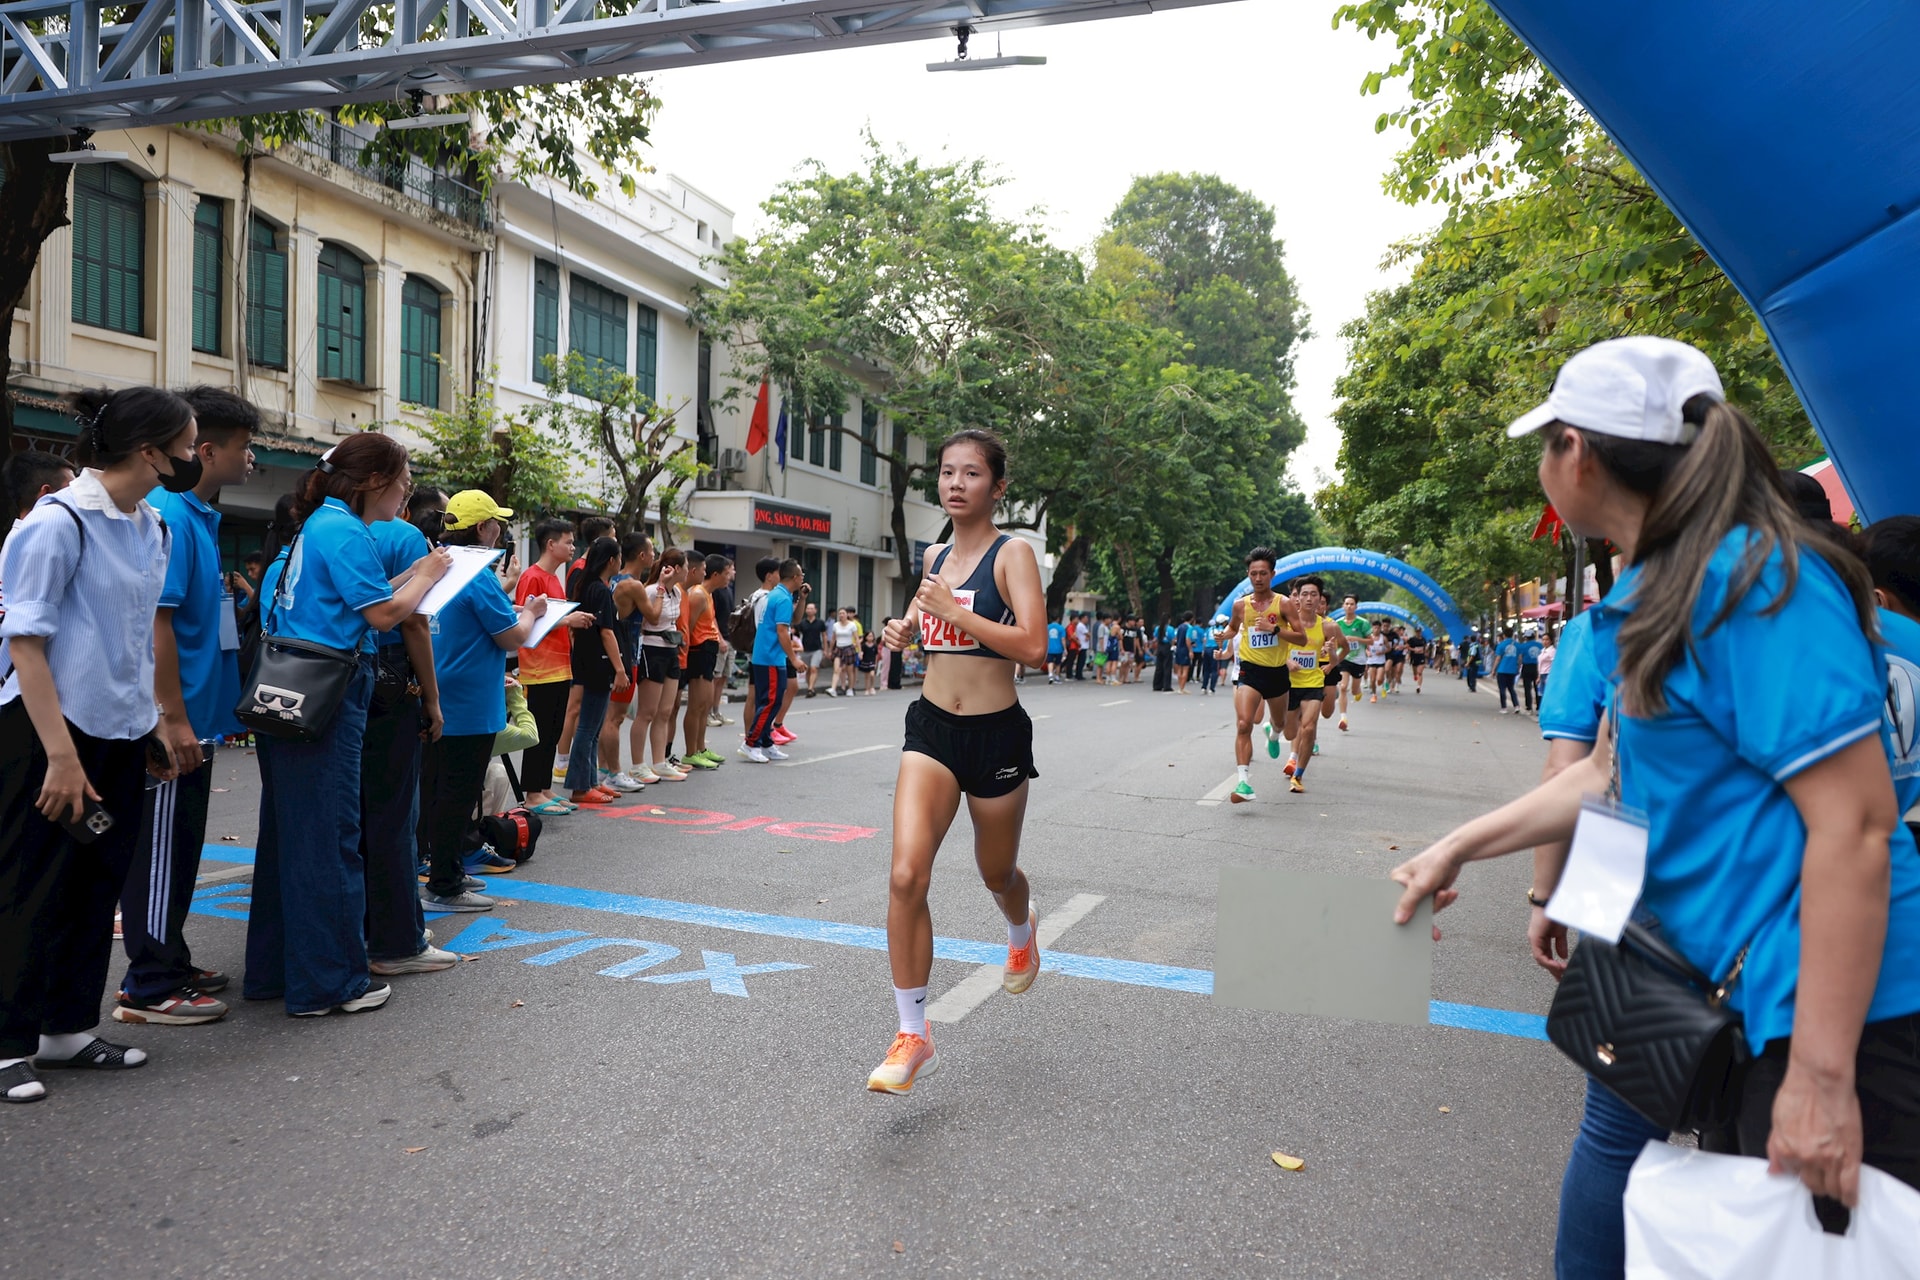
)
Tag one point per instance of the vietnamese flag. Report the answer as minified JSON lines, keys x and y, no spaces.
{"x":757,"y":427}
{"x":1549,"y":524}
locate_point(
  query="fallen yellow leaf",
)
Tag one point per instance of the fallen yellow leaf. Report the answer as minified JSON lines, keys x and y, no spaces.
{"x":413,"y":1151}
{"x":1288,"y":1162}
{"x":518,"y":1004}
{"x":1446,"y":1111}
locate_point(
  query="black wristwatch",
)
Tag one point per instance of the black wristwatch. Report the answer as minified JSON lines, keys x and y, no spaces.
{"x":1536,"y":902}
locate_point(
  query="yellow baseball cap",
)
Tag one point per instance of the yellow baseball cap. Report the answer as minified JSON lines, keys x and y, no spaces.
{"x":470,"y":507}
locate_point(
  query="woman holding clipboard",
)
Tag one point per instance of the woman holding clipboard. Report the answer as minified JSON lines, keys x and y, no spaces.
{"x":980,"y":614}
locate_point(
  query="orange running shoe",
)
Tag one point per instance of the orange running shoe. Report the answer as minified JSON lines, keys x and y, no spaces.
{"x":1023,"y":963}
{"x":906,"y":1060}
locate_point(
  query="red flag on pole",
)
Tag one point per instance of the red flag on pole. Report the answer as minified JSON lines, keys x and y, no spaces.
{"x":757,"y":427}
{"x":1549,"y":524}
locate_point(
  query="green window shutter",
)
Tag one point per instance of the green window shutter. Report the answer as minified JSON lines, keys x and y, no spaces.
{"x":832,"y":587}
{"x":420,"y":305}
{"x":208,"y":274}
{"x":869,"y":438}
{"x":597,"y":326}
{"x":835,"y":458}
{"x":266,"y":297}
{"x":817,"y":444}
{"x":342,"y":318}
{"x":546,"y":317}
{"x":646,"y":350}
{"x":866,"y":593}
{"x":812,"y":563}
{"x":109,"y":248}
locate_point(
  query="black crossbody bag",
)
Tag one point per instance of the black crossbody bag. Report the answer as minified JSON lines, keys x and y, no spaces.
{"x":1640,"y":1019}
{"x":295,"y":685}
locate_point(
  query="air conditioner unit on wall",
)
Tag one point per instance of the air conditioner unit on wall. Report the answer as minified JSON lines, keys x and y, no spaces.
{"x":709,"y":479}
{"x":733,"y":461}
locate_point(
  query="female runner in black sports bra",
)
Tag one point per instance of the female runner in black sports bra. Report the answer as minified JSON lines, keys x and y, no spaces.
{"x":979,"y":611}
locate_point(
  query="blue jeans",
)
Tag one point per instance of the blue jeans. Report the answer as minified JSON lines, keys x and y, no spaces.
{"x":583,"y":762}
{"x":306,"y":927}
{"x":1592,"y":1243}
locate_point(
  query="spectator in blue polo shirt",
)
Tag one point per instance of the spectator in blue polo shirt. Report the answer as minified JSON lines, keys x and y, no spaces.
{"x":1056,"y":649}
{"x":773,"y":647}
{"x":1506,"y":669}
{"x":1530,"y":647}
{"x":1774,"y":846}
{"x":306,"y":939}
{"x":196,"y":645}
{"x":472,"y":637}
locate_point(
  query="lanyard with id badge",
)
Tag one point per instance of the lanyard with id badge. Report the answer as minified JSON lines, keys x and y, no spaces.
{"x":1606,"y":861}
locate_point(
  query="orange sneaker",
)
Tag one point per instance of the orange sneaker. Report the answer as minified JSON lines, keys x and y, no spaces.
{"x":1023,"y":963}
{"x":906,"y":1060}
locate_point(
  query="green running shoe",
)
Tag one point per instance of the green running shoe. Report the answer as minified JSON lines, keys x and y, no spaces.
{"x":1273,"y":742}
{"x":1242,"y":792}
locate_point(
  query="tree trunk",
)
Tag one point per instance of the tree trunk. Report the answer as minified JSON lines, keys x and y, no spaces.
{"x":1600,"y":555}
{"x":1163,"y":568}
{"x":898,"y":479}
{"x":1130,"y":574}
{"x":33,"y":204}
{"x":1073,"y":561}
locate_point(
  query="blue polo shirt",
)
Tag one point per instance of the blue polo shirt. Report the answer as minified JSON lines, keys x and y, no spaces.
{"x":209,"y":675}
{"x":1530,"y":653}
{"x":1576,"y":698}
{"x":1056,"y":638}
{"x":1902,"y":636}
{"x":399,"y":545}
{"x":766,"y":639}
{"x":1726,"y":841}
{"x":1506,"y":658}
{"x":470,"y":667}
{"x":335,"y":573}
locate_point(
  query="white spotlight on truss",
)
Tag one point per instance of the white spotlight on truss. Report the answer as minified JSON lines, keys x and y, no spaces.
{"x":998,"y":60}
{"x":86,"y":153}
{"x":440,"y":121}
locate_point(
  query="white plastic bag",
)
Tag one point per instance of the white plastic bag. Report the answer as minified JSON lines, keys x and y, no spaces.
{"x":1694,"y":1216}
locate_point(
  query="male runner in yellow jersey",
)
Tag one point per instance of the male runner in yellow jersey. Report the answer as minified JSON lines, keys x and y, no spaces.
{"x":1262,"y":624}
{"x":1310,"y":700}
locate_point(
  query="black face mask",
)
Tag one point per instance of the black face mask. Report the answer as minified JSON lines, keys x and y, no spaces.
{"x":185,"y":474}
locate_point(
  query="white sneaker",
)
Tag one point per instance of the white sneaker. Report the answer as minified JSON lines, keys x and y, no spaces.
{"x":775,"y":753}
{"x":643,"y":775}
{"x":667,"y":773}
{"x":624,"y":782}
{"x":717,"y":721}
{"x":755,"y":754}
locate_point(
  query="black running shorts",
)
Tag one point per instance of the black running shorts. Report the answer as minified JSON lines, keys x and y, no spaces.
{"x":1268,"y":682}
{"x":1353,"y":669}
{"x":989,"y":755}
{"x":1298,"y":695}
{"x":659,"y":664}
{"x":703,"y":660}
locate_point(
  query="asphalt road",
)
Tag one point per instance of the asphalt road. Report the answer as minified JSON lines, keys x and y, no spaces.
{"x":529,"y":1114}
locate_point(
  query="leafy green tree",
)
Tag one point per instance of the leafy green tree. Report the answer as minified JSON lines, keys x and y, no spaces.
{"x":472,"y":446}
{"x":638,"y":457}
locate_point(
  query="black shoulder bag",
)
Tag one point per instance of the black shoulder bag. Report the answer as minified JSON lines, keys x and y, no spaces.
{"x":1640,"y":1019}
{"x":295,"y":685}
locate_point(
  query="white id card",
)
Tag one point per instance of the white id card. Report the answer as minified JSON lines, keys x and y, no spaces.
{"x":1606,"y":866}
{"x":229,"y":625}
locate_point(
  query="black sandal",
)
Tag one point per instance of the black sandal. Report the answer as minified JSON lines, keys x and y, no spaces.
{"x":98,"y":1055}
{"x":13,"y":1077}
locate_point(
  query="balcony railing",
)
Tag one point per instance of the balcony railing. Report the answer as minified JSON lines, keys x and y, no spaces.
{"x":409,"y":176}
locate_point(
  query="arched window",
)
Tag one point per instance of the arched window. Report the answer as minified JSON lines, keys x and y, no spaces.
{"x":342,"y":345}
{"x":109,"y":248}
{"x":420,"y":304}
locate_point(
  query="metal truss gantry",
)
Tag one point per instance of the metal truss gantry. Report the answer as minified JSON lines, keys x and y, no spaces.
{"x":109,"y":64}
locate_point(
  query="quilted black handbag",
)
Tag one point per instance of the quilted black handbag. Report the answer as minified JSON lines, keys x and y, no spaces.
{"x":1644,"y":1022}
{"x":295,"y":686}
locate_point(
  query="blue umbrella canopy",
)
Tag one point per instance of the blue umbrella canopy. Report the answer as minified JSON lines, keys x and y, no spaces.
{"x":1786,"y":136}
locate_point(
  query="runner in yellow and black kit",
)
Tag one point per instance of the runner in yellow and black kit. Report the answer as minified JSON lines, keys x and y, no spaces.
{"x":1263,"y":623}
{"x":1310,"y":701}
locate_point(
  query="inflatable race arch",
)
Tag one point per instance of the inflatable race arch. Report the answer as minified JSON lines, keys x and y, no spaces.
{"x":1372,"y":564}
{"x":1380,"y":608}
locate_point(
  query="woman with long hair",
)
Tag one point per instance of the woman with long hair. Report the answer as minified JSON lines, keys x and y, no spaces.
{"x":597,"y":668}
{"x":980,"y":615}
{"x":658,"y":697}
{"x":1775,"y":857}
{"x":84,"y":573}
{"x":306,"y":938}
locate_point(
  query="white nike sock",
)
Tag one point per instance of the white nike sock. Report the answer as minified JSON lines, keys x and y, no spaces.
{"x":912,"y":1003}
{"x":1243,"y":772}
{"x":1018,"y":935}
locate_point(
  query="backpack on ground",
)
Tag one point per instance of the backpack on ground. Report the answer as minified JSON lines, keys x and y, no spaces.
{"x":513,"y":834}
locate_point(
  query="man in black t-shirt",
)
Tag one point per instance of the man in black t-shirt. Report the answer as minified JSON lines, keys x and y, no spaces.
{"x":811,"y":630}
{"x":721,"y":589}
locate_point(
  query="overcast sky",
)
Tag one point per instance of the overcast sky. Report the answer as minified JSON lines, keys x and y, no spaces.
{"x":1262,"y":92}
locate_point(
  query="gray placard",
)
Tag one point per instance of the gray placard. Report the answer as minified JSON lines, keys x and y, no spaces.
{"x":1302,"y":942}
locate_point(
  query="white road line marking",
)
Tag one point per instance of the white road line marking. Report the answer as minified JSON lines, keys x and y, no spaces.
{"x":1220,"y":792}
{"x":1117,"y":702}
{"x":218,"y":877}
{"x":1043,"y":717}
{"x":831,"y":755}
{"x":971,"y":991}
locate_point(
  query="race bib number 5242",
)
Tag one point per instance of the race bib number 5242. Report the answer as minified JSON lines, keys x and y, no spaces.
{"x":939,"y":636}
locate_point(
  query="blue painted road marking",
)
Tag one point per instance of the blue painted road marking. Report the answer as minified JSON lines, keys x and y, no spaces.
{"x":721,"y":973}
{"x":1526,"y":1026}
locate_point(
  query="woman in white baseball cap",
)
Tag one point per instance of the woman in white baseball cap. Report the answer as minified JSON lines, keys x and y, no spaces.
{"x":1775,"y":858}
